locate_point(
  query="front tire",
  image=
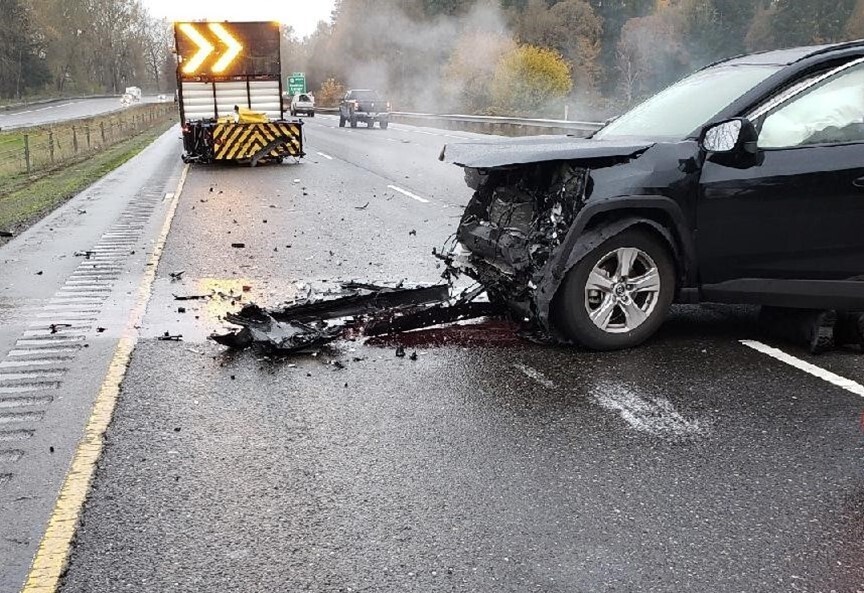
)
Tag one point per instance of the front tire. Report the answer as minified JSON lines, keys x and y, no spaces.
{"x":353,"y":122}
{"x":341,"y":122}
{"x":384,"y":125}
{"x":619,"y":294}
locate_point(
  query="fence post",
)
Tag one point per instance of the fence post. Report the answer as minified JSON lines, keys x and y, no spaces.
{"x":87,"y":134}
{"x":74,"y":140}
{"x":51,"y":145}
{"x":102,"y":128}
{"x":27,"y":152}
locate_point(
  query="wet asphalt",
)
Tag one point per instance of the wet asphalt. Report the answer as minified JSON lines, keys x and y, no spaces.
{"x":690,"y":464}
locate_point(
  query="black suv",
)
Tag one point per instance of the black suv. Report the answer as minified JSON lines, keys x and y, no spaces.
{"x":743,"y":183}
{"x":363,"y":105}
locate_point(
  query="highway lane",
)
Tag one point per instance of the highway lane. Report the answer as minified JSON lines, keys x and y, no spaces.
{"x":693,"y":463}
{"x":36,"y":115}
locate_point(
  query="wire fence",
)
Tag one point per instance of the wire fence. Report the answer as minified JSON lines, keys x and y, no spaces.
{"x":36,"y":150}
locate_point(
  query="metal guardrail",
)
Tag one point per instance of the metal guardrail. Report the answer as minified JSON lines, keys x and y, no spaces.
{"x":492,"y":124}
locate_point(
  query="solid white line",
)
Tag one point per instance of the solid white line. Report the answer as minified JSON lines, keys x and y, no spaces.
{"x":802,"y":365}
{"x":408,"y":193}
{"x":326,"y":156}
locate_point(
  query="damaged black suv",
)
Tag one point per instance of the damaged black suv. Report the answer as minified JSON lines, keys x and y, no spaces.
{"x":743,"y":183}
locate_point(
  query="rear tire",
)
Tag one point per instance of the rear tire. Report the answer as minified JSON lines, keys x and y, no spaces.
{"x":619,"y":294}
{"x":311,"y":114}
{"x":384,"y":125}
{"x":341,"y":122}
{"x":353,"y":122}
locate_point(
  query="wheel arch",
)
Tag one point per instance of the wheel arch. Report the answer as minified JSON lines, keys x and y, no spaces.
{"x":598,"y":223}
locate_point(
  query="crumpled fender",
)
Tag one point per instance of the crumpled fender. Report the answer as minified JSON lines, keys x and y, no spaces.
{"x":548,"y":287}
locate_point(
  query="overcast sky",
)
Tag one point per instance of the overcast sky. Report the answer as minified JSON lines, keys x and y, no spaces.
{"x":303,"y":15}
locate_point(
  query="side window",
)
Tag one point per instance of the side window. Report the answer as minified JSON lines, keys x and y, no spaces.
{"x":831,"y":112}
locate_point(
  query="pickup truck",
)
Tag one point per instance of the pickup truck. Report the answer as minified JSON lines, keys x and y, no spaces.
{"x":364,"y":105}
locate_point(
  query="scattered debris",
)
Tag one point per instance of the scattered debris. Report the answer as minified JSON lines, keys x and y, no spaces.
{"x":261,"y":329}
{"x":412,"y":233}
{"x":167,"y":337}
{"x":413,"y":356}
{"x":191,"y":297}
{"x":85,"y":254}
{"x":238,"y":245}
{"x":6,"y":234}
{"x":55,"y":326}
{"x":39,"y":273}
{"x":363,"y":207}
{"x":357,"y":308}
{"x":177,"y":275}
{"x":101,"y":330}
{"x":181,"y":309}
{"x":400,"y":351}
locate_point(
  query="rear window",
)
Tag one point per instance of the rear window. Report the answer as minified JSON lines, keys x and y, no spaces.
{"x":364,"y":95}
{"x":303,"y":98}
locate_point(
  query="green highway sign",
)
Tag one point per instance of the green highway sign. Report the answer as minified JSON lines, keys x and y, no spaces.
{"x":297,"y":83}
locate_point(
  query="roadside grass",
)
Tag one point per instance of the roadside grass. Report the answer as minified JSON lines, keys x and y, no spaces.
{"x":24,"y":200}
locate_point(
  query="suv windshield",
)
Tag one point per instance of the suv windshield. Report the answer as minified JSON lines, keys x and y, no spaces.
{"x":683,"y":107}
{"x":364,"y":95}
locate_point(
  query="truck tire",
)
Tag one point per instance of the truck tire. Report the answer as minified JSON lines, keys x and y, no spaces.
{"x":384,"y":124}
{"x":619,"y":294}
{"x":311,"y":114}
{"x":353,"y":122}
{"x":341,"y":122}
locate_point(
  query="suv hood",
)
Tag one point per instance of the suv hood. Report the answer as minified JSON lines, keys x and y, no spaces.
{"x":487,"y":154}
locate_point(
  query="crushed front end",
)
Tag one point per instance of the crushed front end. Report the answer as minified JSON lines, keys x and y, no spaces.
{"x":518,"y":217}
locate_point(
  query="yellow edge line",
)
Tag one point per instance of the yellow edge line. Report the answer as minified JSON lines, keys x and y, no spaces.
{"x":53,"y":553}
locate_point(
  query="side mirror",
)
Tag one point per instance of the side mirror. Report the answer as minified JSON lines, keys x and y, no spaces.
{"x":733,"y":136}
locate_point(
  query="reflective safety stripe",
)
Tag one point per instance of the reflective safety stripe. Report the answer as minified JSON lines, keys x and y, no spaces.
{"x":234,"y":141}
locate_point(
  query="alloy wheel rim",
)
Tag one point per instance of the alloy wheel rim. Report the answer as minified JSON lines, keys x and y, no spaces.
{"x":622,"y":290}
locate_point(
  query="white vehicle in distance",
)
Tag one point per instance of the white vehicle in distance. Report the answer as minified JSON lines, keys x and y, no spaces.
{"x":134,"y":92}
{"x":303,"y":103}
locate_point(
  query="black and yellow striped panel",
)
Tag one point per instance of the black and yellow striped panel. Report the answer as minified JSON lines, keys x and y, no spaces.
{"x":233,"y":141}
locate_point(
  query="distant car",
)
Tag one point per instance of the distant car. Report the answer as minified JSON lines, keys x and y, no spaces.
{"x":364,"y":105}
{"x":303,"y":103}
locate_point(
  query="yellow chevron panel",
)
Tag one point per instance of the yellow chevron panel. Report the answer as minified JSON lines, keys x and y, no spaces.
{"x":244,"y":141}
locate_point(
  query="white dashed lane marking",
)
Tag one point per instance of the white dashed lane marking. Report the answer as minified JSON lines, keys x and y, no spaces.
{"x":811,"y":369}
{"x":405,"y":192}
{"x":326,"y":156}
